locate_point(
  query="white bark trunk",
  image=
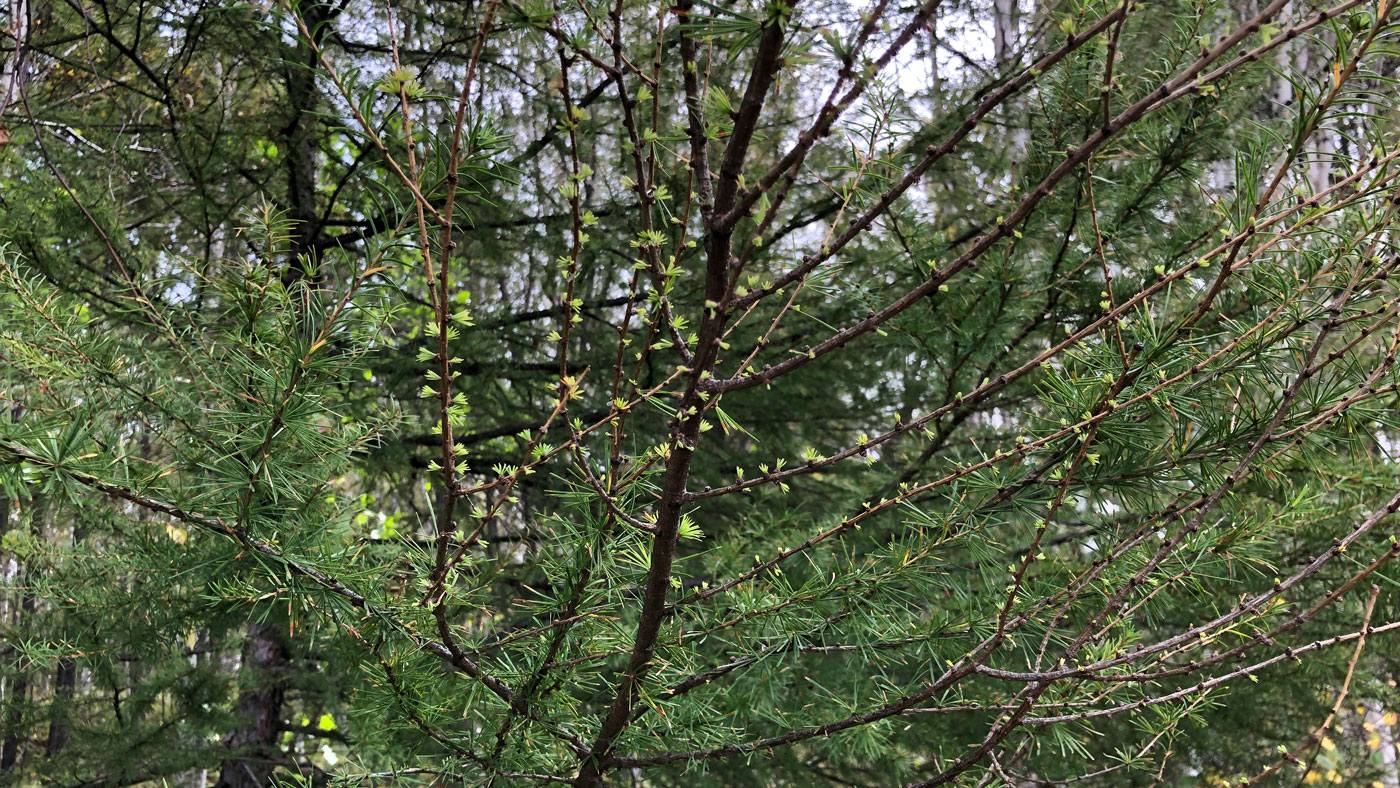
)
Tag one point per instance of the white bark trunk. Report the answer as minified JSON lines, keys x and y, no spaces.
{"x":1004,"y":14}
{"x":12,"y":73}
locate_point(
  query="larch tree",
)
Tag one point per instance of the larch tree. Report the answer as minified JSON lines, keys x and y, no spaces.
{"x":776,"y":392}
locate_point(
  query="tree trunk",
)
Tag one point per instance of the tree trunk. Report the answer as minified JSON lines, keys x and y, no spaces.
{"x":299,"y":137}
{"x":16,"y":693}
{"x":64,"y":679}
{"x":1004,"y":20}
{"x":260,"y":704}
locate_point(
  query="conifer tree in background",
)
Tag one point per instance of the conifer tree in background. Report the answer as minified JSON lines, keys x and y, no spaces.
{"x":512,"y":393}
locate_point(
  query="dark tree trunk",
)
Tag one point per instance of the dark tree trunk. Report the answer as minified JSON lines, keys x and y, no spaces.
{"x":14,"y":720}
{"x":17,"y":691}
{"x":64,"y":679}
{"x":254,"y":745}
{"x":299,"y":137}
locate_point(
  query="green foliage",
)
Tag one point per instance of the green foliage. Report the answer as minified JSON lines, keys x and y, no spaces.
{"x":738,"y":395}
